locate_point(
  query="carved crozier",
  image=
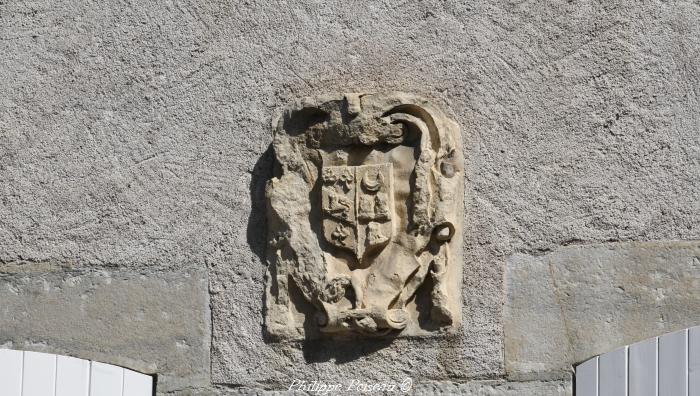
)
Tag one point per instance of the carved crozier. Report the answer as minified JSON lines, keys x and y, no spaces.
{"x":364,"y":215}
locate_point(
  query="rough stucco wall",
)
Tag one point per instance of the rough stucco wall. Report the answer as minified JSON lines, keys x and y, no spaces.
{"x":134,"y":137}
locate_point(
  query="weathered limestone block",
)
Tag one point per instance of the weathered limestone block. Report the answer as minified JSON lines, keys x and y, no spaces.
{"x":578,"y":302}
{"x":496,"y":388}
{"x":365,"y":217}
{"x":154,"y":323}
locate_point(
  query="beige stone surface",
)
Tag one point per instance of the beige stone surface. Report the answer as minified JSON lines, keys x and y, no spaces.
{"x":496,"y":388}
{"x":365,"y":218}
{"x":580,"y":301}
{"x":158,"y":323}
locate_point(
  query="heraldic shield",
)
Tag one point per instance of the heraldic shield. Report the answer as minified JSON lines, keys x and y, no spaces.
{"x":358,"y":207}
{"x":364,"y":219}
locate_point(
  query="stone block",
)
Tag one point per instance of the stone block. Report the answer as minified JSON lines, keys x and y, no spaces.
{"x":496,"y":388}
{"x":581,"y":301}
{"x":365,"y":218}
{"x":155,"y":322}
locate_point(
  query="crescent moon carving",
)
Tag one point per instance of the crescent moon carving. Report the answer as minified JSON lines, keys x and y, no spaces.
{"x":373,"y":185}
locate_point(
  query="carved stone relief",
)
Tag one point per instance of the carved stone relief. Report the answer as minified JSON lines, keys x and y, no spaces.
{"x":364,"y":216}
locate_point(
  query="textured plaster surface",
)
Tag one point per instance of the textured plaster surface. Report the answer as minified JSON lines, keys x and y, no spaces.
{"x":134,"y":136}
{"x":585,"y":301}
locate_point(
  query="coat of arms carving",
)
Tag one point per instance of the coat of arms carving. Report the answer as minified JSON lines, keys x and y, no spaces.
{"x":357,"y":206}
{"x":364,"y":213}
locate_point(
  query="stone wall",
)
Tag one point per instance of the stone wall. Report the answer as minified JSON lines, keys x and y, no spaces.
{"x":135,"y":146}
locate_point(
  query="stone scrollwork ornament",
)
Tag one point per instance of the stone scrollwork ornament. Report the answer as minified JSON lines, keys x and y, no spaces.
{"x":364,"y":213}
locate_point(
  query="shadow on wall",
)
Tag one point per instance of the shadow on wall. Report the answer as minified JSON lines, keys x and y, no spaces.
{"x":256,"y":233}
